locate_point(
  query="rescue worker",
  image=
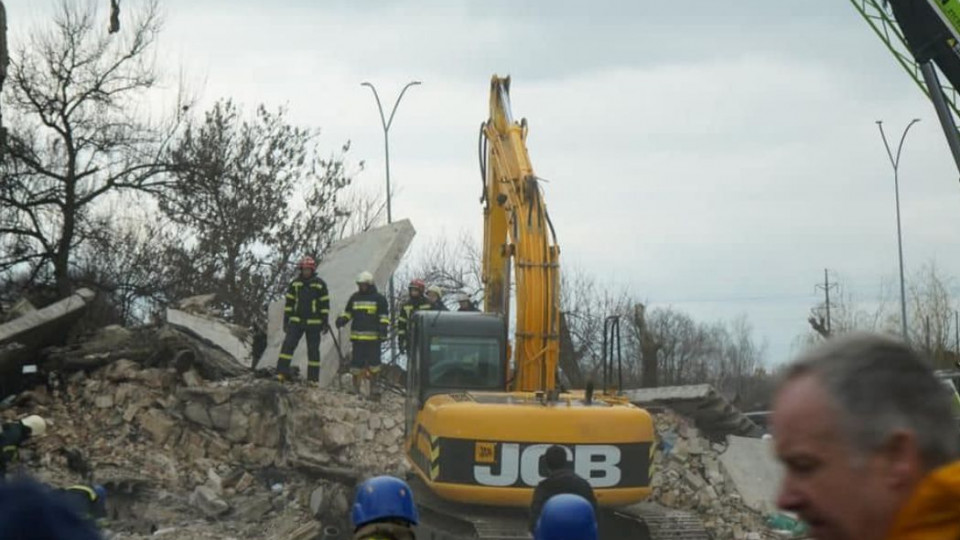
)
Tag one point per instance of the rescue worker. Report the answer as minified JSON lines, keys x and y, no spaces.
{"x":14,"y":434}
{"x":869,"y":443}
{"x":465,"y":303}
{"x":415,"y":301}
{"x":560,"y":479}
{"x":383,"y":509}
{"x":307,"y":312}
{"x":567,"y":517}
{"x":89,"y":501}
{"x":369,"y":314}
{"x":435,"y":299}
{"x":31,"y":511}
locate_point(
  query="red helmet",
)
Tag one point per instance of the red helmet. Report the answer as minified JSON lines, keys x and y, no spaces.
{"x":307,"y":262}
{"x":418,"y":284}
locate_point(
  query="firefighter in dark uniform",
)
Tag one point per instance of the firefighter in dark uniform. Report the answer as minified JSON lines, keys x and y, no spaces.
{"x":14,"y":434}
{"x":89,"y":501}
{"x":307,"y":311}
{"x":416,"y":301}
{"x":370,"y":316}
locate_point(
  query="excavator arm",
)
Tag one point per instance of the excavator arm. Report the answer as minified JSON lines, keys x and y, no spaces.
{"x":923,"y":35}
{"x":517,"y":227}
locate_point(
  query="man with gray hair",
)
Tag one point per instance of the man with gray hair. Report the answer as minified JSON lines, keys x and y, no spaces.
{"x":869,"y":443}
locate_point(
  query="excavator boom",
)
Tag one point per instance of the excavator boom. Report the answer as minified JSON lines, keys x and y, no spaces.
{"x":517,"y":226}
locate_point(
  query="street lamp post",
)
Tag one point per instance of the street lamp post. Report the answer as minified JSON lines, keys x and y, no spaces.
{"x":386,"y":123}
{"x":895,"y":163}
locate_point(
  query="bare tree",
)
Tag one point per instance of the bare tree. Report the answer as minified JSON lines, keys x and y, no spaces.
{"x":931,"y":314}
{"x":78,"y":134}
{"x":254,"y":195}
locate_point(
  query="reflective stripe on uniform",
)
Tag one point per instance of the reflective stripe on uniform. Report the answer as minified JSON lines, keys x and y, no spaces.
{"x":86,"y":489}
{"x":291,"y":297}
{"x":385,"y":320}
{"x":294,"y":319}
{"x":365,"y":336}
{"x":286,"y":357}
{"x":365,"y":305}
{"x":314,"y":321}
{"x":313,"y":364}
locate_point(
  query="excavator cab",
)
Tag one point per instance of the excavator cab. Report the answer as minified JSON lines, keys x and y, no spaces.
{"x":453,"y":352}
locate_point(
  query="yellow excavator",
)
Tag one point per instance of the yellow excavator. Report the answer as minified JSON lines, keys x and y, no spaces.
{"x":478,"y":418}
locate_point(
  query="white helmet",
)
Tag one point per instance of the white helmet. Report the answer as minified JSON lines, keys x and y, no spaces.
{"x":365,"y":277}
{"x":435,"y":290}
{"x":37,"y":425}
{"x":463,"y":297}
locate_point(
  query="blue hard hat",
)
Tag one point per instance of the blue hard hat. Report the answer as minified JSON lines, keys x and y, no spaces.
{"x":100,"y":491}
{"x":383,"y":498}
{"x":566,"y":517}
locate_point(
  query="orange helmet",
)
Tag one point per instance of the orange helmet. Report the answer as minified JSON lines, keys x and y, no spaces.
{"x":307,"y":262}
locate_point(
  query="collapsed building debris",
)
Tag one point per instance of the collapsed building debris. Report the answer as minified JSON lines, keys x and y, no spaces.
{"x":242,"y":457}
{"x":694,"y":474}
{"x":23,"y":336}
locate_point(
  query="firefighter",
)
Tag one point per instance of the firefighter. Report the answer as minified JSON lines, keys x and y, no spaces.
{"x":89,"y":501}
{"x":307,"y":311}
{"x":465,"y":303}
{"x":14,"y":434}
{"x":567,"y":517}
{"x":415,"y":301}
{"x":31,"y":511}
{"x":435,"y":299}
{"x":383,"y":509}
{"x":367,"y":310}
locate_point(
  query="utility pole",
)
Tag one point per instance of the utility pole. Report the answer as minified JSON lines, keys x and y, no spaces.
{"x":956,"y":326}
{"x":826,"y":292}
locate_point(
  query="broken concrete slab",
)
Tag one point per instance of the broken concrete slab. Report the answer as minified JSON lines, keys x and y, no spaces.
{"x":31,"y":328}
{"x":754,"y":470}
{"x":22,"y":337}
{"x":713,"y":414}
{"x":378,"y":251}
{"x":232,"y":339}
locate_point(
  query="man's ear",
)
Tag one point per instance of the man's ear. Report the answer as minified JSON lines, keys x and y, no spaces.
{"x":901,"y":461}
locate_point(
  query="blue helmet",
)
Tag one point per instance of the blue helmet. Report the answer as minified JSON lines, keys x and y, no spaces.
{"x":100,"y":491}
{"x":383,"y":498}
{"x":566,"y":517}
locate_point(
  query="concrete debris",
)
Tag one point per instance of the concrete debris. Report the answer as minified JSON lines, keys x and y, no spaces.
{"x":751,"y":465}
{"x":19,"y":309}
{"x":690,"y":475}
{"x":231,"y":339}
{"x":207,"y":454}
{"x":208,"y":502}
{"x":199,"y":304}
{"x":711,"y":412}
{"x":21,"y":338}
{"x":377,"y":251}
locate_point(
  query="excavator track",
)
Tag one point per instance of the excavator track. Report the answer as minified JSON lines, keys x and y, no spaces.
{"x":442,"y":520}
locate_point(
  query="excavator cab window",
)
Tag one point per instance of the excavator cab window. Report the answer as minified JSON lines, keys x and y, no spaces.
{"x":469,"y":363}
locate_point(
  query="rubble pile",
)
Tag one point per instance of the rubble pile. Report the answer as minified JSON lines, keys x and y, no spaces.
{"x":688,"y":475}
{"x":242,"y":457}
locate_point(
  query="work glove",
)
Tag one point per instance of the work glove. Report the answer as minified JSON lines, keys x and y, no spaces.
{"x":341,"y":321}
{"x":325,"y":326}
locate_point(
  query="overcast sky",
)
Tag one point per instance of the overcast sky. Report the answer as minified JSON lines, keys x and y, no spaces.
{"x":712,"y":156}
